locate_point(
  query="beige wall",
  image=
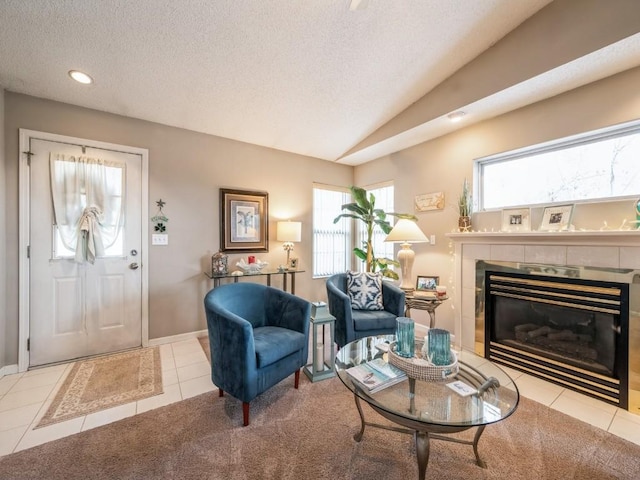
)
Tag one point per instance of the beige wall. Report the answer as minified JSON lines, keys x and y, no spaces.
{"x":442,"y":164}
{"x":3,"y":257}
{"x":186,"y":170}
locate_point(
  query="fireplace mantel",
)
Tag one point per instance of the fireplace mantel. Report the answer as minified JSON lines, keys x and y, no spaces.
{"x":591,"y":237}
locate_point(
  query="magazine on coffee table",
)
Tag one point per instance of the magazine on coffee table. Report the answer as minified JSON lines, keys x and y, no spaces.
{"x":376,"y":375}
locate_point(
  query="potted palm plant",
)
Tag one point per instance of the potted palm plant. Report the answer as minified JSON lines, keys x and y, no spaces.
{"x":465,"y":208}
{"x":363,"y":209}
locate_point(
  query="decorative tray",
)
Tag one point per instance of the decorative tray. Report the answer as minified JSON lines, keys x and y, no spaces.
{"x":419,"y":368}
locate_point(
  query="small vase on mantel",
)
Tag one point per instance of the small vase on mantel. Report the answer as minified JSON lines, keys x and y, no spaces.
{"x":465,"y":202}
{"x":464,"y":223}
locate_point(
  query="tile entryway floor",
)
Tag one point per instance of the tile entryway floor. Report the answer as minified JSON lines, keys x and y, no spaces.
{"x":24,"y":398}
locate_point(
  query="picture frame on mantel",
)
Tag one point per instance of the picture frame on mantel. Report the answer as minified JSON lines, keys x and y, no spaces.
{"x":556,"y":218}
{"x":516,"y":220}
{"x":244,"y":221}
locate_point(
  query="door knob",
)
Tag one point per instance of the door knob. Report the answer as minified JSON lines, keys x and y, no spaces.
{"x":133,"y":266}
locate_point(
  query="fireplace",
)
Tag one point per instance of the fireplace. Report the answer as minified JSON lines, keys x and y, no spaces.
{"x":552,"y":323}
{"x":601,"y":256}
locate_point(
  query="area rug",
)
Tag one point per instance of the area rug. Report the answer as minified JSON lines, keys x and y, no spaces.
{"x":308,"y":433}
{"x":103,"y":382}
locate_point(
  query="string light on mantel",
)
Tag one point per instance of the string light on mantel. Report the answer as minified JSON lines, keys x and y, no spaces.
{"x":452,"y":282}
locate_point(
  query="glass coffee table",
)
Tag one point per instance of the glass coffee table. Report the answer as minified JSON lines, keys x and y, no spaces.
{"x":431,"y":410}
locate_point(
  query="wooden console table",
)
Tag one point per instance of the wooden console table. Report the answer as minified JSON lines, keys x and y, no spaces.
{"x":268,"y":273}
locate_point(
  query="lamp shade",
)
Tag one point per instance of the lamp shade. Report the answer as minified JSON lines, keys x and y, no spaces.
{"x":406,"y":231}
{"x":289,"y":231}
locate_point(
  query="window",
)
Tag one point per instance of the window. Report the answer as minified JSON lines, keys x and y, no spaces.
{"x":599,"y":165}
{"x":383,"y":194}
{"x":331,"y":241}
{"x":79,"y":182}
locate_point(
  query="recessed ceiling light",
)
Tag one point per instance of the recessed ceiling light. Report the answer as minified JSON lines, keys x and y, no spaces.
{"x":456,"y":116}
{"x":80,"y":77}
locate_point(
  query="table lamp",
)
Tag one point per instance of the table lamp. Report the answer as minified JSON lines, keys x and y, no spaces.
{"x":406,"y":232}
{"x":289,"y":232}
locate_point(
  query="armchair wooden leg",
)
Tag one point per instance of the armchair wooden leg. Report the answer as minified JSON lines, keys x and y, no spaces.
{"x":245,"y":413}
{"x":297,"y":377}
{"x":220,"y":392}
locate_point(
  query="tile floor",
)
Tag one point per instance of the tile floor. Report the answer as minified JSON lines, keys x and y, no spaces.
{"x":24,"y":398}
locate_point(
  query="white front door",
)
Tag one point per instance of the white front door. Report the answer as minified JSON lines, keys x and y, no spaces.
{"x":81,"y":309}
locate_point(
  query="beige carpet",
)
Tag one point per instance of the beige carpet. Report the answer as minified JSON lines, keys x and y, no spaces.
{"x":308,"y":434}
{"x":103,"y":382}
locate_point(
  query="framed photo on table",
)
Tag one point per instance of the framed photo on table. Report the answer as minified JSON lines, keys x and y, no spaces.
{"x":427,"y":283}
{"x":516,"y":220}
{"x":556,"y":218}
{"x":244,"y":221}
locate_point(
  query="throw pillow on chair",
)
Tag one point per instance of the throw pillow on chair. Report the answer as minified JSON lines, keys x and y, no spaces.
{"x":365,"y":290}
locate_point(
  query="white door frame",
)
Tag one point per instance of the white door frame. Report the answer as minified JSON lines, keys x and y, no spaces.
{"x":24,"y":197}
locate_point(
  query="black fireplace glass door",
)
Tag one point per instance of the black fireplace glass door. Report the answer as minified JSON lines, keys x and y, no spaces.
{"x":584,"y":339}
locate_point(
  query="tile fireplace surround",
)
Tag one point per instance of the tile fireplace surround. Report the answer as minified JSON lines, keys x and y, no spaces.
{"x":600,"y":249}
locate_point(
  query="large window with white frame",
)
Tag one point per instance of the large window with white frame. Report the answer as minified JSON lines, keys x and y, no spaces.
{"x":601,"y":164}
{"x":331,"y":241}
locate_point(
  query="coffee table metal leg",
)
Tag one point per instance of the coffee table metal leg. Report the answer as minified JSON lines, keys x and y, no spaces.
{"x":412,"y":396}
{"x":358,"y":436}
{"x":422,"y":452}
{"x":476,"y":439}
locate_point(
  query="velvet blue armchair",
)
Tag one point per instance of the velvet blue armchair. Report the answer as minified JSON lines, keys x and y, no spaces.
{"x":258,"y":336}
{"x":354,"y":324}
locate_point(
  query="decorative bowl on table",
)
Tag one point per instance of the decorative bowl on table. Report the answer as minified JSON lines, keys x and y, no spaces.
{"x":421,"y":368}
{"x":250,"y":268}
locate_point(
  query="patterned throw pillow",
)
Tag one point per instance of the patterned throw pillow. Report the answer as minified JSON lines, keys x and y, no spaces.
{"x":365,"y":290}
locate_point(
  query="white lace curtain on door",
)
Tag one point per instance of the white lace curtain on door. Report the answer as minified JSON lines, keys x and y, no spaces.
{"x":88,"y":203}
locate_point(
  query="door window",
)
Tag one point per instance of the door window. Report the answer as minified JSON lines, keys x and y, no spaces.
{"x":79,"y":183}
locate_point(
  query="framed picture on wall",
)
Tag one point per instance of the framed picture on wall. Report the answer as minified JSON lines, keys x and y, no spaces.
{"x":244,"y":221}
{"x":556,"y":218}
{"x":516,"y":220}
{"x":429,"y":201}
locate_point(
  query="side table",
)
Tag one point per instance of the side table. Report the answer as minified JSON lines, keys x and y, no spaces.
{"x":423,"y":303}
{"x":268,"y":273}
{"x":320,"y":369}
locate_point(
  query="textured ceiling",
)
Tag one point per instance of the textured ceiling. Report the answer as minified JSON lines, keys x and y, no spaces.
{"x":305,"y":76}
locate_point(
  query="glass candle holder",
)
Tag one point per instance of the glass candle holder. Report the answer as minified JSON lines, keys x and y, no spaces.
{"x":439,"y":347}
{"x":405,"y":337}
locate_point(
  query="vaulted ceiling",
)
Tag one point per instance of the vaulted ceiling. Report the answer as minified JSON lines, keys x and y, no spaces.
{"x":341,"y":80}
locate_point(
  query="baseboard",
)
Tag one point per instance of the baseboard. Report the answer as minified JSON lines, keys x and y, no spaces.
{"x":8,"y":370}
{"x":177,"y":338}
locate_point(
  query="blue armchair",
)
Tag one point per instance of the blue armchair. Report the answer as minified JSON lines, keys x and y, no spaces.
{"x":258,"y":336}
{"x":354,"y":324}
